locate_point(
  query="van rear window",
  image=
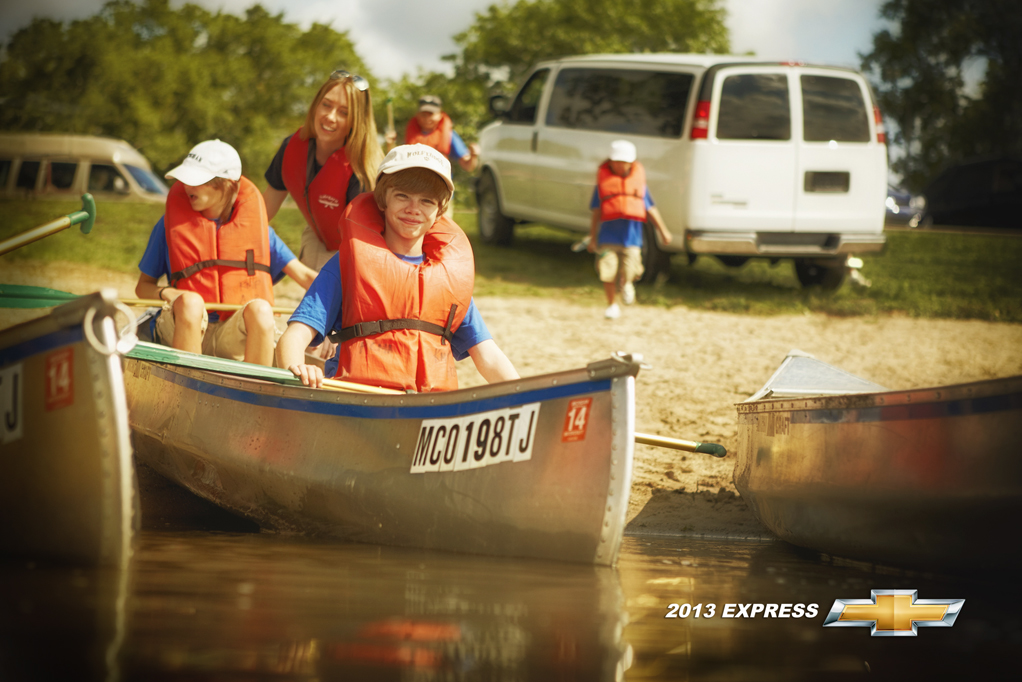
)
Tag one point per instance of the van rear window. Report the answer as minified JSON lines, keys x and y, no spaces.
{"x":620,"y":101}
{"x":754,"y":106}
{"x":833,"y":109}
{"x":5,"y":172}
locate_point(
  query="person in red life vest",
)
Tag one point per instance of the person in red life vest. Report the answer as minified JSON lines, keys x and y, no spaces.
{"x":214,"y":245}
{"x":621,"y":205}
{"x":398,"y":294}
{"x":432,"y":126}
{"x":329,"y":161}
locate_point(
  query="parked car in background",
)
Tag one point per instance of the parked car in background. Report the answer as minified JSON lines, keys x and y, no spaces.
{"x":903,"y":208}
{"x":56,"y":165}
{"x":744,"y":158}
{"x":979,"y":192}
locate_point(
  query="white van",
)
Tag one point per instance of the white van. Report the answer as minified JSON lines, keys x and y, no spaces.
{"x":744,"y":158}
{"x":55,"y":166}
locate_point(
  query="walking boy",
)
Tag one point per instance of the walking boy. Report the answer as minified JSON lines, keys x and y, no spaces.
{"x":621,"y":205}
{"x":398,"y":293}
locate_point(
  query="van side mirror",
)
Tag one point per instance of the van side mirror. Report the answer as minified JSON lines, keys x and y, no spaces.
{"x":499,"y":105}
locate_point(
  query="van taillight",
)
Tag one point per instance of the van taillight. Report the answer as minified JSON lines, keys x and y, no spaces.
{"x":879,"y":119}
{"x":701,"y":121}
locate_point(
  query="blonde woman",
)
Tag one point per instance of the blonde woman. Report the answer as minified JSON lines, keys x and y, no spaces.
{"x":331,"y":159}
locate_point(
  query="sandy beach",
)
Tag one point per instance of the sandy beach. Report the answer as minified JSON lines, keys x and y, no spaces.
{"x":701,"y":364}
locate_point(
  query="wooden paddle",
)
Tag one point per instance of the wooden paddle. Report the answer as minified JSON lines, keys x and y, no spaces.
{"x":86,"y":216}
{"x":25,"y":296}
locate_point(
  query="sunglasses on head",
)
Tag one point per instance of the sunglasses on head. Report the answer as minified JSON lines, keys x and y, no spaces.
{"x":361,"y":84}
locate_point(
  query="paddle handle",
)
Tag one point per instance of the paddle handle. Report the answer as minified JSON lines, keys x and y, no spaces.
{"x":86,"y":216}
{"x":714,"y":449}
{"x":213,"y":307}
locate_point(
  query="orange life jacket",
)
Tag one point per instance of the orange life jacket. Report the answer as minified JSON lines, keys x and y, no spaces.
{"x":439,"y":139}
{"x":226,"y":265}
{"x":622,"y":197}
{"x":397,"y":318}
{"x":322,"y":200}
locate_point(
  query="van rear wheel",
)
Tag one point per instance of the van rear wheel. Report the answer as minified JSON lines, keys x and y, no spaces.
{"x":655,"y":262}
{"x":494,"y":226}
{"x":829,"y":273}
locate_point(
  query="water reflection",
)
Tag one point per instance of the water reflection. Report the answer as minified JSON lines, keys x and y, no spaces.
{"x":257,"y":606}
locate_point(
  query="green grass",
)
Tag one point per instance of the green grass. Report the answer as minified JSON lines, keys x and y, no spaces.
{"x":921,"y":274}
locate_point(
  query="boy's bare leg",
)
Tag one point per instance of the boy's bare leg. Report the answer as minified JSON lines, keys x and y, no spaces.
{"x":610,"y":289}
{"x":188,"y":311}
{"x":259,"y":333}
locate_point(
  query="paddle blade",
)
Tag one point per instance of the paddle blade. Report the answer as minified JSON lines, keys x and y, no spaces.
{"x":25,"y":296}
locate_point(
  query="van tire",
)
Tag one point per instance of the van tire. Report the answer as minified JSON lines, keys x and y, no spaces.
{"x":655,"y":262}
{"x":494,"y":226}
{"x":826,"y":274}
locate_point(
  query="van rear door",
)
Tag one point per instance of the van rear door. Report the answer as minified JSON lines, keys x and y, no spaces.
{"x":743,"y":181}
{"x":841,"y":171}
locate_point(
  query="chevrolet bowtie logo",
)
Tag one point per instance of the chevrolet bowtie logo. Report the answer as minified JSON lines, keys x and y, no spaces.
{"x":893,"y":613}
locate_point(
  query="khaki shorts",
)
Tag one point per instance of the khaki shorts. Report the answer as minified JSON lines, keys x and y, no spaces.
{"x":224,"y":339}
{"x":313,"y":252}
{"x":617,"y":263}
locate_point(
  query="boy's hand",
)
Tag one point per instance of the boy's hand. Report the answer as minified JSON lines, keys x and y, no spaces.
{"x":311,"y":375}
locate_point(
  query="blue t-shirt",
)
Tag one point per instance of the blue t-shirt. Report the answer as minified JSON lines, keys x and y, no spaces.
{"x":459,"y":149}
{"x":621,"y":230}
{"x":156,"y":259}
{"x":321,"y":309}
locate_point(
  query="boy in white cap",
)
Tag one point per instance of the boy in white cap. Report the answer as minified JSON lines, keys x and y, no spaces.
{"x":621,"y":205}
{"x":397,"y":296}
{"x":214,"y":245}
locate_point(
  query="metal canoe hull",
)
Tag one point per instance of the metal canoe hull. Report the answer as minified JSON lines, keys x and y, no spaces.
{"x":928,"y":478}
{"x":68,"y":485}
{"x":340,"y":465}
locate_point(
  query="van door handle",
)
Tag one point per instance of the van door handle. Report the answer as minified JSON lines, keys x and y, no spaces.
{"x":535,"y":139}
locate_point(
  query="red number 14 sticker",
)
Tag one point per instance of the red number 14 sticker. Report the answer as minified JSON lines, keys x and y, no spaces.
{"x":576,"y":420}
{"x":60,"y":386}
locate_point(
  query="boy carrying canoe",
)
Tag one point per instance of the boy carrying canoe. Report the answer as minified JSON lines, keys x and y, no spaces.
{"x":398,"y":293}
{"x":214,"y":245}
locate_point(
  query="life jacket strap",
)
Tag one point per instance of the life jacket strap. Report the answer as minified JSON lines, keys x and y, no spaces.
{"x":249,"y":265}
{"x":361,"y":329}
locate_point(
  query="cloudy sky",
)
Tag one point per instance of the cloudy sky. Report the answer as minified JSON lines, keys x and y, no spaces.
{"x":395,"y":37}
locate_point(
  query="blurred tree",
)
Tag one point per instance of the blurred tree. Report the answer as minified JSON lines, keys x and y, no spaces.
{"x":514,"y":37}
{"x":165,"y":79}
{"x":922,"y":62}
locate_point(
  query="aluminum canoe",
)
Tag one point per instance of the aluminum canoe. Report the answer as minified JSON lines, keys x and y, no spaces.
{"x":68,"y":486}
{"x":538,"y":467}
{"x":927,"y":478}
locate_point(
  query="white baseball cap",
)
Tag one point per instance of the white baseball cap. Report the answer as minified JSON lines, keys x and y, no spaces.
{"x":622,"y":150}
{"x":417,"y":156}
{"x":208,"y":160}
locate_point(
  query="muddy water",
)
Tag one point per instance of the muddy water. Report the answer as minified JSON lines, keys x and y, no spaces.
{"x":219,"y":606}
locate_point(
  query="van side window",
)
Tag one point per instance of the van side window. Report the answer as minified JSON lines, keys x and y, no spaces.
{"x":5,"y":172}
{"x":833,"y":109}
{"x":106,"y":178}
{"x":754,"y":107}
{"x":60,"y":175}
{"x":620,"y":101}
{"x":27,"y":175}
{"x":523,"y":109}
{"x":146,"y":180}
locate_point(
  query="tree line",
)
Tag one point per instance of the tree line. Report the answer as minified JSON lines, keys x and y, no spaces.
{"x":164,"y":78}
